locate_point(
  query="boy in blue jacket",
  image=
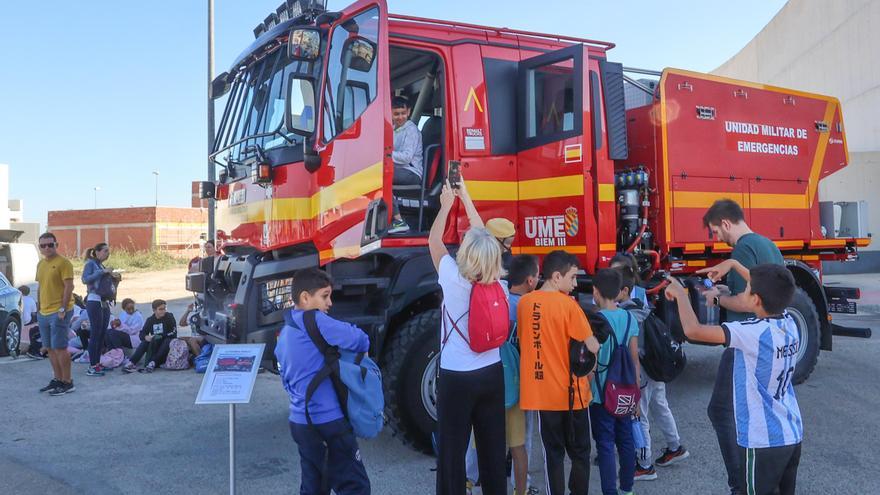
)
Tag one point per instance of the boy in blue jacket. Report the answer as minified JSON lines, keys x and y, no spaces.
{"x":330,"y":434}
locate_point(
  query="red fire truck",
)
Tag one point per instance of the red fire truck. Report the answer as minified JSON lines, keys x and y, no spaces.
{"x":545,"y":137}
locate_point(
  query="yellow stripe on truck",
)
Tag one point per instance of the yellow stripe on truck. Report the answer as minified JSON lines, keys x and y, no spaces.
{"x":552,"y":187}
{"x":349,"y":188}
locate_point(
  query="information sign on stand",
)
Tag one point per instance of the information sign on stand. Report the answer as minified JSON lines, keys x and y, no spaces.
{"x":230,"y":379}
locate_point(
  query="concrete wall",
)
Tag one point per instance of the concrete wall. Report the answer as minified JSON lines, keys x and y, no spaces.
{"x":830,"y":48}
{"x":176,"y":230}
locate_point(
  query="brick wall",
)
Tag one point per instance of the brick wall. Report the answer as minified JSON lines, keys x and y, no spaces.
{"x":176,"y":230}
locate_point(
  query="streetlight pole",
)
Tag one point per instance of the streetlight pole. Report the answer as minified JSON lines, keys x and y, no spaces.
{"x":156,"y":173}
{"x":211,"y":167}
{"x":97,"y":188}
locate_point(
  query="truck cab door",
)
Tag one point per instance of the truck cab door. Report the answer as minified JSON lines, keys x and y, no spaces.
{"x":354,"y":135}
{"x":555,"y":197}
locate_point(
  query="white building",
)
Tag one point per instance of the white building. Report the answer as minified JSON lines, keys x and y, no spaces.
{"x":830,"y":48}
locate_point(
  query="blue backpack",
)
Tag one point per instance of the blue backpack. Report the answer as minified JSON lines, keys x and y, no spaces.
{"x":621,"y":393}
{"x":200,"y":363}
{"x":356,"y":380}
{"x":510,"y":361}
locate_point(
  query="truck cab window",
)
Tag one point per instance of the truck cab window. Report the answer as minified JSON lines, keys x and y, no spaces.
{"x":352,"y":77}
{"x":549,"y":100}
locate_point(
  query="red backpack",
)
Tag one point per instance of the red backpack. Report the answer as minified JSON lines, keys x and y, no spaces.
{"x":488,"y":318}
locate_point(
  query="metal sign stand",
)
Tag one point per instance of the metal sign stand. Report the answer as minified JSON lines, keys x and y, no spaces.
{"x":229,"y":379}
{"x":231,"y":449}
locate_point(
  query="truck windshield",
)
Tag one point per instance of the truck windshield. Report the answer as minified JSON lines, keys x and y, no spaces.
{"x":254,"y":113}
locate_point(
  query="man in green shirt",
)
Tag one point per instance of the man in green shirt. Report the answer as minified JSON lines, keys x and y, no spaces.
{"x":726,"y":221}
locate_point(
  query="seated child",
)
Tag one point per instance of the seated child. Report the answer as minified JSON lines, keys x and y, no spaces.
{"x":329,"y":436}
{"x":156,"y":336}
{"x":768,"y":421}
{"x":125,"y":328}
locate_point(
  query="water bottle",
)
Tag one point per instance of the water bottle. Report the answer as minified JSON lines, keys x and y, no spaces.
{"x":638,"y":434}
{"x":713,"y":313}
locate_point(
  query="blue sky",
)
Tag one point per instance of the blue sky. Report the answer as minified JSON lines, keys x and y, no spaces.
{"x":101,"y":93}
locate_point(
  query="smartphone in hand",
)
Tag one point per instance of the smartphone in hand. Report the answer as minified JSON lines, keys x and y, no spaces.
{"x":455,"y":174}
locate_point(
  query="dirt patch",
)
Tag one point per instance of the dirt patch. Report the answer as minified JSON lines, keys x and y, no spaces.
{"x":144,"y":287}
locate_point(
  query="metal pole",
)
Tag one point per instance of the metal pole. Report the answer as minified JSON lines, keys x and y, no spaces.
{"x":211,"y":168}
{"x":156,"y":201}
{"x":231,"y":449}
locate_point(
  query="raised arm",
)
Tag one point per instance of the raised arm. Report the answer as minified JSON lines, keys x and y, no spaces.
{"x":471,"y":210}
{"x":435,"y":236}
{"x":693,"y":330}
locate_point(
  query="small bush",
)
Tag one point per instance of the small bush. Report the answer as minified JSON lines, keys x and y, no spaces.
{"x":137,"y":261}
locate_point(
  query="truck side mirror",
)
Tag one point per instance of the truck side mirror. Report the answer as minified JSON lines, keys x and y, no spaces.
{"x":299,"y":115}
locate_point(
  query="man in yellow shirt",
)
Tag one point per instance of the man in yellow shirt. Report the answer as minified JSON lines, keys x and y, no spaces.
{"x":55,"y":278}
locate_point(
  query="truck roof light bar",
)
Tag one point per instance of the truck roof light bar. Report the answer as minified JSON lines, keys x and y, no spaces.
{"x":289,"y":9}
{"x":604,"y":44}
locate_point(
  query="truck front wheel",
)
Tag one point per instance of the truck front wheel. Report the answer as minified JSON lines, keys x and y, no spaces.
{"x":803,"y":311}
{"x":410,"y":370}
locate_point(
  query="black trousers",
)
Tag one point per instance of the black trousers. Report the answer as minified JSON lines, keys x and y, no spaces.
{"x":329,"y":458}
{"x":721,"y":415}
{"x":117,"y":339}
{"x":764,"y":471}
{"x":156,"y":351}
{"x":465,"y":400}
{"x":563,"y":432}
{"x":404,"y":177}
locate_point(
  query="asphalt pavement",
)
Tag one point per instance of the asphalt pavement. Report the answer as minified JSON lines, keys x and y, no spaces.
{"x":133,"y":434}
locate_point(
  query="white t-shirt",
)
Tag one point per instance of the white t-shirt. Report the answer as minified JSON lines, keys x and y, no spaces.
{"x":457,"y":355}
{"x":29,"y":308}
{"x":764,"y":401}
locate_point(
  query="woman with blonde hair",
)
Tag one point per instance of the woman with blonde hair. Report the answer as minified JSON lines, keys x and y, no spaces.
{"x":471,"y":384}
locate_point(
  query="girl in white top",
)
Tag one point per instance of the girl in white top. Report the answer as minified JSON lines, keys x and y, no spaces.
{"x":470,"y":389}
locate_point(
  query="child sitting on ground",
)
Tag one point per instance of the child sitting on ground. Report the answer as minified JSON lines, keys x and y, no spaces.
{"x":156,"y":336}
{"x":611,"y":431}
{"x":125,"y":329}
{"x":768,"y":421}
{"x":653,"y":400}
{"x":329,"y":436}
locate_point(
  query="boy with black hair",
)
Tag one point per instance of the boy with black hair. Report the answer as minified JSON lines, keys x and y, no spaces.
{"x":548,"y":320}
{"x":407,"y":156}
{"x":156,"y":336}
{"x":610,"y":431}
{"x":768,"y":421}
{"x":653,"y":401}
{"x":330,"y":436}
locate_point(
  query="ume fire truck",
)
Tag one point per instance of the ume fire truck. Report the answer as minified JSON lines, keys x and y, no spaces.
{"x":545,"y":137}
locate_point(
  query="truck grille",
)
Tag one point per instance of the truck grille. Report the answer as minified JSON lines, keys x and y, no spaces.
{"x":276,"y":295}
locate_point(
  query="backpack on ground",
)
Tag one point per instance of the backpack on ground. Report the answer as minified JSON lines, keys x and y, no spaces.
{"x":178,"y":356}
{"x":510,"y":361}
{"x":488,"y":318}
{"x":662,"y":356}
{"x":355,"y":378}
{"x":112,"y":358}
{"x":200,"y":363}
{"x":621,"y":392}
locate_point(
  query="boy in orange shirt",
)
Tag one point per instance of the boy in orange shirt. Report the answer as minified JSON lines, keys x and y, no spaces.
{"x":548,"y":319}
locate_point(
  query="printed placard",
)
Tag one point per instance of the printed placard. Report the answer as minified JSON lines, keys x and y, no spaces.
{"x":231,"y":373}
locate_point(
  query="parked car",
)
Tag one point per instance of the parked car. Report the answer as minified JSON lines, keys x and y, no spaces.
{"x":10,"y":318}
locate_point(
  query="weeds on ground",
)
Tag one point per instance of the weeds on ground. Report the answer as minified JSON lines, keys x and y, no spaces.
{"x":136,"y":261}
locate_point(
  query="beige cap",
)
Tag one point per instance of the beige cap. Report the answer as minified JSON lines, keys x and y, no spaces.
{"x":501,"y":228}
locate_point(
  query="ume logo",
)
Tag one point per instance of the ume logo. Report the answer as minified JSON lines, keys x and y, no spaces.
{"x":552,"y":230}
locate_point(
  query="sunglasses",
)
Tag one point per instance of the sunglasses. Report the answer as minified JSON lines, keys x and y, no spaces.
{"x":49,"y":245}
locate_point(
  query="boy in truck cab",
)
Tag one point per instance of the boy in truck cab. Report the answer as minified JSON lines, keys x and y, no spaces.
{"x":329,"y":433}
{"x":769,"y":428}
{"x":407,"y":156}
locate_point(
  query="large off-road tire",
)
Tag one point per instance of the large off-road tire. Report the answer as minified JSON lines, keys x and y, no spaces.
{"x":410,"y":379}
{"x":803,"y":311}
{"x":10,"y":337}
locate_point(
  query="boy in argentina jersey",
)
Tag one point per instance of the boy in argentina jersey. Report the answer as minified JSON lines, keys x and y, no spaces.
{"x":769,"y":429}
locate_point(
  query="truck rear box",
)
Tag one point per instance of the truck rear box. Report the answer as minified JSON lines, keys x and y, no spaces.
{"x":706,"y":138}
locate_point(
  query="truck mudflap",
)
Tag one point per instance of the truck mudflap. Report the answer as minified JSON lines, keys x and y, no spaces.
{"x":245,"y":295}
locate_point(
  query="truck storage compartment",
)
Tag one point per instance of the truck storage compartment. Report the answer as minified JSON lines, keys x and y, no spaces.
{"x":711,"y":138}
